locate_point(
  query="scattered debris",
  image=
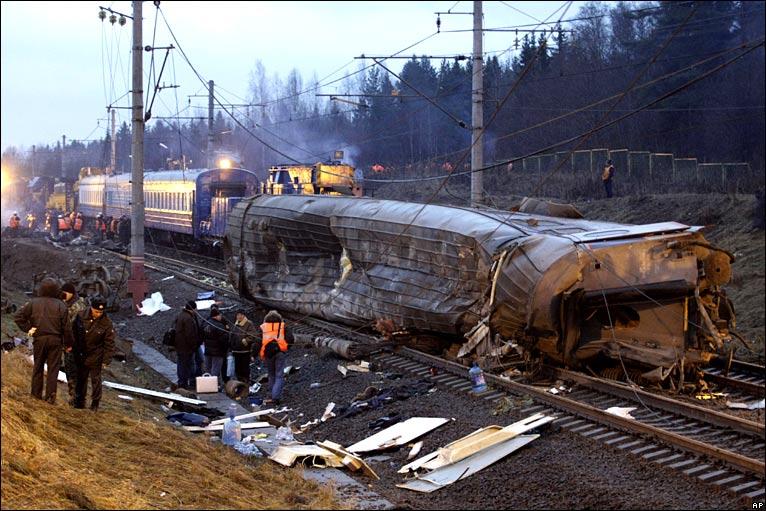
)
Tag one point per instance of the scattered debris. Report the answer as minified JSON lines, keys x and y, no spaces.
{"x":259,"y":413}
{"x":342,"y":370}
{"x":348,"y":459}
{"x":449,"y":474}
{"x":367,"y":393}
{"x":285,"y":434}
{"x":621,"y":412}
{"x":384,"y":422}
{"x":704,"y":396}
{"x":124,"y":397}
{"x":219,"y":427}
{"x":361,"y":367}
{"x":152,"y":305}
{"x":313,"y":455}
{"x":328,"y":412}
{"x":349,"y":350}
{"x":315,"y":385}
{"x":188,"y":419}
{"x":168,"y":278}
{"x":205,"y":304}
{"x":416,"y":447}
{"x":475,"y":442}
{"x":206,"y":295}
{"x":236,"y":389}
{"x":247,"y":449}
{"x":507,"y":403}
{"x":757,"y":405}
{"x":398,"y":434}
{"x":150,"y":393}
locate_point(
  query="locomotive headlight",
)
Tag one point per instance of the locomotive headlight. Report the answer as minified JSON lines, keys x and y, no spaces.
{"x":224,"y":163}
{"x":7,"y":177}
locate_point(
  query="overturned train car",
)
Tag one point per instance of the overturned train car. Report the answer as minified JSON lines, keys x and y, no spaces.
{"x":572,"y":290}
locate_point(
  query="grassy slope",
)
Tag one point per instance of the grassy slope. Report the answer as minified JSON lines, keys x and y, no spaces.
{"x":127,"y":457}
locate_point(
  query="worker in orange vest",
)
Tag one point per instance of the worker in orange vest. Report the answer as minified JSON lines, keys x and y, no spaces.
{"x":14,"y":223}
{"x":274,"y":342}
{"x":115,"y":222}
{"x":77,"y":226}
{"x":100,"y":228}
{"x":63,"y":223}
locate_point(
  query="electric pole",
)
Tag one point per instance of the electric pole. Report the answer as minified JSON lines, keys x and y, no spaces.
{"x":113,"y":163}
{"x":138,"y":286}
{"x":63,"y":146}
{"x":210,"y":162}
{"x":477,"y":112}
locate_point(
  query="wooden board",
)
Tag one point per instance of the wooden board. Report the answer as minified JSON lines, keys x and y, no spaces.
{"x":398,"y":434}
{"x":219,"y":427}
{"x":348,"y":459}
{"x":154,"y":393}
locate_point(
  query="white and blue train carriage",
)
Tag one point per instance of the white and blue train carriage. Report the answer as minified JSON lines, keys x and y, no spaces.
{"x":178,"y":204}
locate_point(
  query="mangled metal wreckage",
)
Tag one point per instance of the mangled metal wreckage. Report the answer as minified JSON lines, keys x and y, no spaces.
{"x":576,"y":291}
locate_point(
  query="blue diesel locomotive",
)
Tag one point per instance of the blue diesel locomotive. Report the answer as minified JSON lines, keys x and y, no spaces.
{"x":187,"y":206}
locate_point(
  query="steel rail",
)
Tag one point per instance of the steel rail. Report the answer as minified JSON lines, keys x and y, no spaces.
{"x":664,"y":403}
{"x":744,"y":463}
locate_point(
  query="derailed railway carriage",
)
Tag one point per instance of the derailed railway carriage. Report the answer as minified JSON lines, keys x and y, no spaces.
{"x":189,"y":206}
{"x":575,"y":291}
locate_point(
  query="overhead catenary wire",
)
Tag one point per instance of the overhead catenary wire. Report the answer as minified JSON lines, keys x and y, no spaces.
{"x":746,"y":47}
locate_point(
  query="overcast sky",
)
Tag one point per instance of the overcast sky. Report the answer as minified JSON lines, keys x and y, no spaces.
{"x":61,"y":65}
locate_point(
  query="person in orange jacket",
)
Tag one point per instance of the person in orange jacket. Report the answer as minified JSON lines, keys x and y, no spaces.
{"x":275,"y":337}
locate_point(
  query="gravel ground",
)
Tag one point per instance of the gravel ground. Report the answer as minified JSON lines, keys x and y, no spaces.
{"x":560,"y":470}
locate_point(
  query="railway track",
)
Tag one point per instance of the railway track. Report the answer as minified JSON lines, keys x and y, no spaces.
{"x":717,"y":448}
{"x":743,"y":378}
{"x":714,"y":447}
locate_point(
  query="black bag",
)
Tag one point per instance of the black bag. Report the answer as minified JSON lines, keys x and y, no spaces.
{"x":271,"y":350}
{"x":169,"y":339}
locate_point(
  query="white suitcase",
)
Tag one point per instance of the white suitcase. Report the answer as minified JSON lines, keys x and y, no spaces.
{"x":207,"y":383}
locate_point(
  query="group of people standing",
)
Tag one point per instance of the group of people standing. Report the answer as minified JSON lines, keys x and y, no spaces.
{"x":66,"y":328}
{"x":219,"y":337}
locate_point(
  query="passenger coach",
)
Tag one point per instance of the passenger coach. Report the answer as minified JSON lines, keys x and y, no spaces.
{"x":179,"y":204}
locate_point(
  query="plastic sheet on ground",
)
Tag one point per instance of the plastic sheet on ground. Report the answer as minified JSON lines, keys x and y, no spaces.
{"x":204,"y":304}
{"x":757,"y":405}
{"x":248,"y":449}
{"x":152,"y":305}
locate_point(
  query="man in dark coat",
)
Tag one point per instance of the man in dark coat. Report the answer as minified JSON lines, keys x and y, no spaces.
{"x":94,"y":347}
{"x":242,"y":342}
{"x":75,"y":304}
{"x":217,"y":333}
{"x":46,"y":319}
{"x":187,"y":342}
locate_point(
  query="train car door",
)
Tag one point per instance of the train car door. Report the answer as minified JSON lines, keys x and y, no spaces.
{"x":221,"y":205}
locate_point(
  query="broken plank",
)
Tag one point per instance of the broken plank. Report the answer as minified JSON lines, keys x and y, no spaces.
{"x":348,"y":459}
{"x":244,"y":416}
{"x":154,"y":393}
{"x":287,"y":455}
{"x":469,"y":446}
{"x":398,"y":434}
{"x":449,"y":474}
{"x":219,"y":427}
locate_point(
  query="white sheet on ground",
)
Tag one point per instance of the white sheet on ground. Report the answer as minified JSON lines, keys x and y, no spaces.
{"x":152,"y":305}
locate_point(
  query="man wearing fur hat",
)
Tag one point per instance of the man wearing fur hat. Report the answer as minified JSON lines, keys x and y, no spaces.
{"x":46,"y":319}
{"x":75,"y":304}
{"x":94,"y":347}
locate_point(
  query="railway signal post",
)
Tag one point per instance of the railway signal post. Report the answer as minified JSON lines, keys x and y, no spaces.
{"x":138,"y":286}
